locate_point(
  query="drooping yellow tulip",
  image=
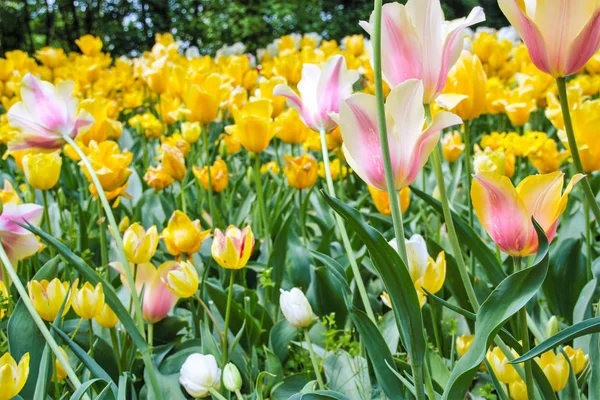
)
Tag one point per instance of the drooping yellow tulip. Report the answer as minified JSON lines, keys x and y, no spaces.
{"x":12,"y":376}
{"x":48,"y":297}
{"x":301,"y":172}
{"x":183,"y":235}
{"x":42,"y":170}
{"x":88,"y":300}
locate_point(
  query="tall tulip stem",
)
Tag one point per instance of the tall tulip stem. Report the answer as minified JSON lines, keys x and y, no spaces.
{"x":587,"y":188}
{"x":342,"y":229}
{"x":47,"y":218}
{"x":262,"y":208}
{"x":524,"y":333}
{"x":224,"y":345}
{"x":207,"y":165}
{"x":313,"y":359}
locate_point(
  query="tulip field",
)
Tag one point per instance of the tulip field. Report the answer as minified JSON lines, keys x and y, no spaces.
{"x":409,"y":212}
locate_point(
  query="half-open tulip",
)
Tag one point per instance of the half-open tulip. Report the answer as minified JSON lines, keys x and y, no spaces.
{"x":561,"y":36}
{"x":46,"y":113}
{"x":18,"y":242}
{"x":321,"y":91}
{"x":232,"y":249}
{"x":106,"y":317}
{"x":182,"y":279}
{"x":420,"y":44}
{"x":182,"y":235}
{"x":253,"y":127}
{"x":577,"y":358}
{"x":505,"y":211}
{"x":42,"y":170}
{"x":301,"y":172}
{"x":158,"y":299}
{"x":48,"y":297}
{"x":140,"y":244}
{"x":556,"y":369}
{"x":410,"y":145}
{"x":88,"y":300}
{"x":12,"y":376}
{"x":463,"y":344}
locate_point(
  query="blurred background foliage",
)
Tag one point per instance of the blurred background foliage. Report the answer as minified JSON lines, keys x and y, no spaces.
{"x":128,"y":26}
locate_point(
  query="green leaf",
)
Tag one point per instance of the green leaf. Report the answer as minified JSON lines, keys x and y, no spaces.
{"x":277,"y":258}
{"x":280,"y":337}
{"x":470,"y":239}
{"x":586,"y":327}
{"x":44,"y":373}
{"x":594,"y":385}
{"x":508,"y":298}
{"x":396,"y":278}
{"x":79,"y":393}
{"x":497,"y":385}
{"x":348,"y":375}
{"x":319,"y":395}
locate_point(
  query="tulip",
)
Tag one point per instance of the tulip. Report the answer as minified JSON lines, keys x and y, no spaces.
{"x":158,"y":299}
{"x":556,"y":369}
{"x":50,"y":57}
{"x":42,"y":170}
{"x":48,"y":297}
{"x":219,"y":176}
{"x":552,"y":326}
{"x":518,"y":390}
{"x":561,"y":36}
{"x":265,"y":91}
{"x":505,"y":211}
{"x":463,"y":344}
{"x":382,"y":200}
{"x":191,"y":131}
{"x":203,"y":101}
{"x":157,"y":178}
{"x":232,"y":380}
{"x":301,"y":172}
{"x":355,"y":44}
{"x":8,"y":194}
{"x":410,"y":145}
{"x":182,"y":279}
{"x":111,"y":167}
{"x":88,"y":301}
{"x":504,"y":371}
{"x":577,"y":358}
{"x":61,"y":374}
{"x":3,"y":299}
{"x":290,"y":128}
{"x":89,"y":45}
{"x":385,"y":299}
{"x":104,"y":127}
{"x":321,"y":91}
{"x":45,"y":114}
{"x":157,"y":76}
{"x":232,"y":249}
{"x":253,"y":126}
{"x":335,"y":167}
{"x":139,"y":244}
{"x":232,"y":145}
{"x":270,"y":166}
{"x":18,"y":242}
{"x":200,"y":373}
{"x":12,"y":376}
{"x":586,"y":118}
{"x":106,"y":317}
{"x":452,"y":146}
{"x":173,"y":162}
{"x":295,"y":308}
{"x":182,"y":235}
{"x":489,"y":161}
{"x":420,"y":44}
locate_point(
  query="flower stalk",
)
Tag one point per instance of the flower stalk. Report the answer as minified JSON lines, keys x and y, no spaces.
{"x":524,"y":333}
{"x":225,"y":348}
{"x":313,"y":359}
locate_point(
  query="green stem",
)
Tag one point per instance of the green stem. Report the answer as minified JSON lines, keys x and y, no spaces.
{"x":469,"y":169}
{"x":313,"y":359}
{"x":587,"y":189}
{"x":588,"y":239}
{"x":150,"y":337}
{"x":460,"y":262}
{"x":383,"y":138}
{"x":524,"y":333}
{"x":116,"y":348}
{"x":261,"y":203}
{"x":182,"y":195}
{"x":91,"y":336}
{"x":429,"y":383}
{"x":238,"y":394}
{"x":342,"y":229}
{"x":207,"y":165}
{"x":224,"y":346}
{"x":102,"y":233}
{"x":36,"y":318}
{"x":216,"y":394}
{"x":47,"y":219}
{"x":417,"y":371}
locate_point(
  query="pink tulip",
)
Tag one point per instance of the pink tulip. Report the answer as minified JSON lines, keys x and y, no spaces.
{"x":505,"y":211}
{"x":410,"y":145}
{"x":561,"y":36}
{"x":18,"y":242}
{"x":158,"y":299}
{"x":44,"y":114}
{"x":417,"y":43}
{"x":321,"y":91}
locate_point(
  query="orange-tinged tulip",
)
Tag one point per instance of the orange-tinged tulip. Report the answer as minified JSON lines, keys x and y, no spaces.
{"x":12,"y":376}
{"x":157,"y":178}
{"x":301,"y":172}
{"x":505,"y":211}
{"x":139,"y":244}
{"x":219,"y":176}
{"x":382,"y":200}
{"x":182,"y":235}
{"x":232,"y":249}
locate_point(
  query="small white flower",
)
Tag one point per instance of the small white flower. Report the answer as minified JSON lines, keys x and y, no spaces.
{"x":198,"y":373}
{"x":296,"y":308}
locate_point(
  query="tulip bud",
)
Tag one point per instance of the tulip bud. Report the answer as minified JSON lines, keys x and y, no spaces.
{"x":552,"y":326}
{"x":140,"y":245}
{"x":182,"y":279}
{"x":48,"y":297}
{"x":198,"y":374}
{"x":223,"y":149}
{"x":463,"y":344}
{"x":13,"y":376}
{"x":42,"y":170}
{"x":191,"y":131}
{"x":106,"y":318}
{"x":249,"y":174}
{"x":232,"y":249}
{"x":88,"y":301}
{"x":296,"y":308}
{"x":577,"y":358}
{"x":232,"y":379}
{"x":61,"y":374}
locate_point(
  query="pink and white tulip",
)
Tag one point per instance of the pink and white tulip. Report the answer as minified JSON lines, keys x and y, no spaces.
{"x":561,"y":36}
{"x":158,"y":299}
{"x":410,"y":145}
{"x":44,"y":114}
{"x":18,"y":242}
{"x":418,"y":43}
{"x":321,"y":91}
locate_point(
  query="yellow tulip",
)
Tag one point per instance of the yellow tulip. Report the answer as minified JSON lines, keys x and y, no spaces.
{"x":88,"y":301}
{"x":355,"y":44}
{"x":433,"y":277}
{"x":504,"y":371}
{"x":104,"y":126}
{"x":266,"y":87}
{"x":157,"y":178}
{"x":219,"y":176}
{"x":577,"y":358}
{"x":157,"y":76}
{"x":232,"y":249}
{"x":593,"y":65}
{"x":463,"y":344}
{"x":518,"y":390}
{"x":489,"y":161}
{"x":42,"y":170}
{"x":147,"y":124}
{"x":289,"y":65}
{"x":556,"y":369}
{"x":290,"y":128}
{"x":586,"y":119}
{"x":232,"y":145}
{"x":139,"y":244}
{"x":253,"y":126}
{"x":385,"y":299}
{"x":111,"y":166}
{"x":177,"y":140}
{"x":7,"y":68}
{"x":203,"y":100}
{"x":182,"y":279}
{"x":382,"y":200}
{"x":89,"y":45}
{"x":182,"y":235}
{"x":301,"y":172}
{"x":106,"y":317}
{"x":3,"y":299}
{"x":12,"y":376}
{"x":60,"y":374}
{"x":191,"y":131}
{"x":8,"y":194}
{"x":452,"y":146}
{"x":124,"y":224}
{"x":335,"y":169}
{"x":173,"y":162}
{"x":271,"y":166}
{"x":50,"y":57}
{"x":464,"y":93}
{"x":48,"y":297}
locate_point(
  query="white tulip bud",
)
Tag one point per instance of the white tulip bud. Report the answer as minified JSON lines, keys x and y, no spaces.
{"x":232,"y":378}
{"x":198,"y":373}
{"x":417,"y":254}
{"x":295,"y":308}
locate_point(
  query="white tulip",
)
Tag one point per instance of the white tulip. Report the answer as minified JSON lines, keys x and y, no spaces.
{"x":199,"y":373}
{"x":232,"y":380}
{"x":417,"y":254}
{"x":295,"y":308}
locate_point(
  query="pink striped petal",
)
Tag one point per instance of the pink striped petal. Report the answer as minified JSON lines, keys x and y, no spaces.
{"x":335,"y":84}
{"x":584,"y":46}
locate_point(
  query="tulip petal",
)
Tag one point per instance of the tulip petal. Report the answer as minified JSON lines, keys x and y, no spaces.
{"x":541,"y":195}
{"x":335,"y":84}
{"x":584,"y":45}
{"x":502,"y":213}
{"x":41,"y":99}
